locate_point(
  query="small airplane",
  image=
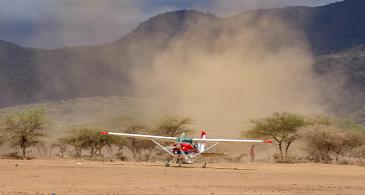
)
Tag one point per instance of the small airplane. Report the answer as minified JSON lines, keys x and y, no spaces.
{"x":185,"y":149}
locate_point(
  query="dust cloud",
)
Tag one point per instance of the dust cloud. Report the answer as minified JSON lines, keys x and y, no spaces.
{"x":220,"y":71}
{"x":223,"y":74}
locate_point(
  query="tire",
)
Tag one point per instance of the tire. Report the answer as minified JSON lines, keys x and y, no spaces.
{"x":167,"y":163}
{"x":204,"y":165}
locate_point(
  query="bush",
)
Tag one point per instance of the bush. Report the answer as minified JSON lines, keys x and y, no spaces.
{"x":325,"y":143}
{"x":12,"y":155}
{"x":120,"y":156}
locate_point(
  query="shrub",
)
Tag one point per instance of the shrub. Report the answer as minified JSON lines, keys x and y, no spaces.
{"x":325,"y":143}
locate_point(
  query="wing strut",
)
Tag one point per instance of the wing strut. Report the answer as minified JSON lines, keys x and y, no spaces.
{"x":205,"y":150}
{"x":162,"y":147}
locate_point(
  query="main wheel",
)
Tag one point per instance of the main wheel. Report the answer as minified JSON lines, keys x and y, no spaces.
{"x":204,"y":165}
{"x":179,"y":162}
{"x":167,"y":163}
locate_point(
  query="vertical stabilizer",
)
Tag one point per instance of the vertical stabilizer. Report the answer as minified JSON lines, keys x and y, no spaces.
{"x":201,"y":146}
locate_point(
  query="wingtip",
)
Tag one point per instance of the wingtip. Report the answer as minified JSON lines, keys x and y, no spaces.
{"x":268,"y":141}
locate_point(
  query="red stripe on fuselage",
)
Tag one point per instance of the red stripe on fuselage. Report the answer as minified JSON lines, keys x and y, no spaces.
{"x":186,"y":147}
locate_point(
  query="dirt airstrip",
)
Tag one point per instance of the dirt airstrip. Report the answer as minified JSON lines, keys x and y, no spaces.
{"x":84,"y":177}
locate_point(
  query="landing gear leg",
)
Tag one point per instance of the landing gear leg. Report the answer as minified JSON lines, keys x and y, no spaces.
{"x":179,"y":161}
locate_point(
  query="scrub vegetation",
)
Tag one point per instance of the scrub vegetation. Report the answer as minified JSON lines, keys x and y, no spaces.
{"x":325,"y":139}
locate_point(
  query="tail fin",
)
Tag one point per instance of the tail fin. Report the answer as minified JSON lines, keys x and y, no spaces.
{"x":201,"y":146}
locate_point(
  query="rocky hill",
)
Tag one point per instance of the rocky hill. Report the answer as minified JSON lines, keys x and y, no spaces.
{"x":329,"y":29}
{"x":349,"y":67}
{"x":334,"y":32}
{"x":33,"y":75}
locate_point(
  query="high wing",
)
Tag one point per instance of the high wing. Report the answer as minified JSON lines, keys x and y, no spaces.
{"x":207,"y":140}
{"x":201,"y":140}
{"x":140,"y":136}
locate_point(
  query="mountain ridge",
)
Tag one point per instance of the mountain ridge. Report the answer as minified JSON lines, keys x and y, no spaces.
{"x":34,"y":75}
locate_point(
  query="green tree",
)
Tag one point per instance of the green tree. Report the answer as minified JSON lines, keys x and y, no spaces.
{"x":25,"y":129}
{"x":281,"y":127}
{"x":173,"y":126}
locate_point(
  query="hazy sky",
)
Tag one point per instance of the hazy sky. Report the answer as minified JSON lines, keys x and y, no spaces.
{"x":57,"y":23}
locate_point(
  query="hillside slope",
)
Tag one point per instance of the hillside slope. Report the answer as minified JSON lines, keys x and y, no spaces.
{"x":95,"y":112}
{"x":346,"y":67}
{"x":31,"y":75}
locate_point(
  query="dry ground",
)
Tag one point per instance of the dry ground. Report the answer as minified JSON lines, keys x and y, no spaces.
{"x":68,"y":177}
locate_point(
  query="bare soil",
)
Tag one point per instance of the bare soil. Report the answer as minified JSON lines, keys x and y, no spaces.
{"x":85,"y":177}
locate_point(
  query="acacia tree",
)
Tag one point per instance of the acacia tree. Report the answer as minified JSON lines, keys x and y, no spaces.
{"x":120,"y":143}
{"x":2,"y":136}
{"x":2,"y":132}
{"x":25,"y":129}
{"x":167,"y":126}
{"x":73,"y":140}
{"x":134,"y":145}
{"x":88,"y":139}
{"x":173,"y":126}
{"x":353,"y":140}
{"x":132,"y":123}
{"x":281,"y":127}
{"x":101,"y":141}
{"x":61,"y":144}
